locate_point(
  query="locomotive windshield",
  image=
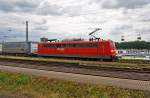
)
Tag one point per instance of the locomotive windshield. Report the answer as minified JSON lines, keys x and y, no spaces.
{"x":112,"y":44}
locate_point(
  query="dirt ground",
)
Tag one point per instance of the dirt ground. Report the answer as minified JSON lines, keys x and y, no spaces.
{"x":9,"y":95}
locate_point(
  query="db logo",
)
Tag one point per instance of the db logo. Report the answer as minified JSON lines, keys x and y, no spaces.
{"x":60,"y":49}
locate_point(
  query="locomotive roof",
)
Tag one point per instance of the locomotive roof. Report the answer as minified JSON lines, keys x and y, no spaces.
{"x":75,"y":42}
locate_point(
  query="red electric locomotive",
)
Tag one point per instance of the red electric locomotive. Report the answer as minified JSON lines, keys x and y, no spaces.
{"x":94,"y":48}
{"x":102,"y":49}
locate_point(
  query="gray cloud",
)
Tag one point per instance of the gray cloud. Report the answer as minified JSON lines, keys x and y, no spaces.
{"x":31,"y":6}
{"x":26,"y":5}
{"x":74,"y":16}
{"x":6,"y":6}
{"x":39,"y":8}
{"x":124,"y":27}
{"x":42,"y":28}
{"x":145,"y":20}
{"x":18,"y":5}
{"x":129,"y":4}
{"x":143,"y":31}
{"x":121,"y":29}
{"x":42,"y":22}
{"x":50,"y":9}
{"x":73,"y":10}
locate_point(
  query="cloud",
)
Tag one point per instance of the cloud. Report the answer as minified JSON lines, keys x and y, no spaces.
{"x":41,"y":28}
{"x":45,"y":7}
{"x":18,"y":5}
{"x":72,"y":18}
{"x":50,"y":9}
{"x":143,"y":31}
{"x":121,"y":29}
{"x":6,"y":6}
{"x":26,"y":5}
{"x":128,"y":4}
{"x":132,"y":4}
{"x":145,"y":20}
{"x":41,"y":22}
{"x":124,"y":27}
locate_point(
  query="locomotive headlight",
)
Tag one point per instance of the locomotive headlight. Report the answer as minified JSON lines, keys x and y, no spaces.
{"x":113,"y":51}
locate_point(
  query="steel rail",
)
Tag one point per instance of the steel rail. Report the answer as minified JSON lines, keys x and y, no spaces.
{"x":77,"y":65}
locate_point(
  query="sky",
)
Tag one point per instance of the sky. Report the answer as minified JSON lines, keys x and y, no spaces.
{"x":66,"y":19}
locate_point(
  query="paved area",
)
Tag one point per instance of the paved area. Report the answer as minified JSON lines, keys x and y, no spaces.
{"x":123,"y":83}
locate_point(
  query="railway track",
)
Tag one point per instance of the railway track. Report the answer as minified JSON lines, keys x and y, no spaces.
{"x":77,"y":65}
{"x":85,"y":69}
{"x":83,"y":59}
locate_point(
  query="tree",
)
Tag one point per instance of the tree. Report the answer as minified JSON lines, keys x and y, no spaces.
{"x":133,"y":45}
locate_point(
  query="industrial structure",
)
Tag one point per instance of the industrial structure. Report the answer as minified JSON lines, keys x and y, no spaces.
{"x":139,"y":37}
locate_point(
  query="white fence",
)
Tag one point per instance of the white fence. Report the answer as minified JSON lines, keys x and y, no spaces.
{"x":134,"y":54}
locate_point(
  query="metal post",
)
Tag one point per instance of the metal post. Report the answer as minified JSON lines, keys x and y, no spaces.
{"x":27,"y":32}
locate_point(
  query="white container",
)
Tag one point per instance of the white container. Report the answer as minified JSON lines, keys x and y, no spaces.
{"x":0,"y":48}
{"x":33,"y":48}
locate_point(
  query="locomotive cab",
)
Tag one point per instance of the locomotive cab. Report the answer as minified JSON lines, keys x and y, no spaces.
{"x":113,"y":51}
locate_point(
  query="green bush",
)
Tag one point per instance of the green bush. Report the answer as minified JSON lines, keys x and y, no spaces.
{"x":133,"y":45}
{"x":21,"y":80}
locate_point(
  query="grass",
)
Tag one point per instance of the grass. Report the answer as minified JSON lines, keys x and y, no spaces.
{"x":42,"y":87}
{"x":125,"y":64}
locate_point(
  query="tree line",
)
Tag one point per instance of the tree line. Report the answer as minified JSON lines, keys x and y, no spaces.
{"x":133,"y":45}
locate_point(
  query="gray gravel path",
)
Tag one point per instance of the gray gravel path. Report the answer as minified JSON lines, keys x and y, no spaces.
{"x":123,"y":83}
